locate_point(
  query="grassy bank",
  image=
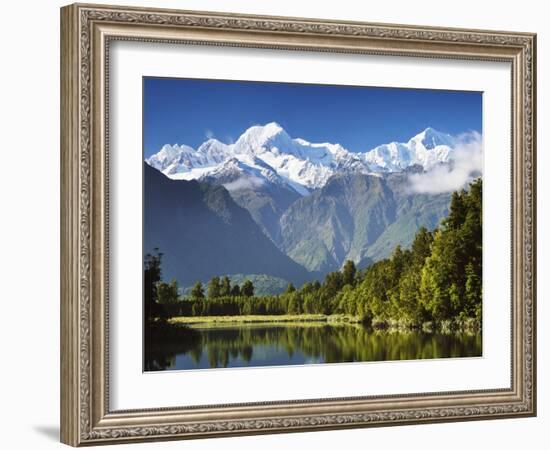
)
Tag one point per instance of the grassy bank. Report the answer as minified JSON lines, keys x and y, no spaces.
{"x":457,"y":325}
{"x":333,"y":318}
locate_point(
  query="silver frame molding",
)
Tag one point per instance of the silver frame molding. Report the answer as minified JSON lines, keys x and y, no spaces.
{"x":86,"y":31}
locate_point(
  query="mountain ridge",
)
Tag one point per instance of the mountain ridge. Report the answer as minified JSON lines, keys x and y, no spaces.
{"x":302,"y":165}
{"x":358,"y":217}
{"x":202,"y":232}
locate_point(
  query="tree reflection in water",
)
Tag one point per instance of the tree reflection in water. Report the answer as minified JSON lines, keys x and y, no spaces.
{"x":273,"y":344}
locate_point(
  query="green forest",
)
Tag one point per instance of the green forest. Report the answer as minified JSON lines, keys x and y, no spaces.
{"x":438,"y":279}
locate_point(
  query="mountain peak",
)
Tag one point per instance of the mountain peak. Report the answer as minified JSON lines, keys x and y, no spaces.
{"x":171,"y":151}
{"x":272,"y":127}
{"x":210,"y":142}
{"x":213,"y":146}
{"x":167,"y":155}
{"x":269,"y":129}
{"x":430,"y":130}
{"x":259,"y":136}
{"x":431,"y":138}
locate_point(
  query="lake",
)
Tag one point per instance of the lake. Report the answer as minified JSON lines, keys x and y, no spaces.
{"x":272,"y":344}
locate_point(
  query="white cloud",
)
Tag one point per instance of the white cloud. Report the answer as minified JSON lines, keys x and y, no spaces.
{"x":467,"y":162}
{"x":209,"y":134}
{"x":244,"y":182}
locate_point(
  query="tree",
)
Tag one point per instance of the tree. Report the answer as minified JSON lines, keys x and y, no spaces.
{"x":151,"y":276}
{"x":197,"y":309}
{"x":310,"y":288}
{"x":473,"y":292}
{"x":236,"y":291}
{"x":309,"y":302}
{"x":457,"y":210}
{"x":348,"y":301}
{"x":214,"y":287}
{"x":290,"y":288}
{"x":375,"y":289}
{"x":248,"y":289}
{"x":421,"y":246}
{"x":451,"y":277}
{"x":167,"y":293}
{"x":348,"y":273}
{"x":409,"y":306}
{"x":333,"y":283}
{"x":472,"y":228}
{"x":225,"y":288}
{"x":294,"y":303}
{"x":439,"y":274}
{"x":198,"y":291}
{"x":398,"y":261}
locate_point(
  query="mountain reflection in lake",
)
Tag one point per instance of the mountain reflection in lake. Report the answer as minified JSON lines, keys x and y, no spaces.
{"x":284,"y":344}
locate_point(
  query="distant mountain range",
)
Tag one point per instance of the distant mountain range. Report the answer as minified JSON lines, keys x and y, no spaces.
{"x":283,"y":207}
{"x":267,"y":154}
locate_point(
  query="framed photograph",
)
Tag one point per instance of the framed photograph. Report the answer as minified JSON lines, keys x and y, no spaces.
{"x":277,"y":224}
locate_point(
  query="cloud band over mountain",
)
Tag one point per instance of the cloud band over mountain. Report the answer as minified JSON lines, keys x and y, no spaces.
{"x":466,"y":164}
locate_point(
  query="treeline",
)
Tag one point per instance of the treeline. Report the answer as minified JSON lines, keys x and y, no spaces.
{"x":437,"y":279}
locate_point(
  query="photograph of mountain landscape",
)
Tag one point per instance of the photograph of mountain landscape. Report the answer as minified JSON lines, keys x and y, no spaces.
{"x":288,"y":223}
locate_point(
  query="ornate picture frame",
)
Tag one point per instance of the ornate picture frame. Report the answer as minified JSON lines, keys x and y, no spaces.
{"x":87,"y":32}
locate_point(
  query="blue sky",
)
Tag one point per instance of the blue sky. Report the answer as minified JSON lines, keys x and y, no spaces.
{"x":189,"y":111}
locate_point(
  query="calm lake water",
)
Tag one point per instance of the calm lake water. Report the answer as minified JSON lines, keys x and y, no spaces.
{"x":283,"y":344}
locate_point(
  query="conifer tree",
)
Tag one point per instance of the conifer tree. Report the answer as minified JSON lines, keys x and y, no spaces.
{"x":290,"y":288}
{"x":214,"y":287}
{"x":198,"y":291}
{"x":247,"y":289}
{"x":225,"y":288}
{"x":236,"y":291}
{"x":348,"y":273}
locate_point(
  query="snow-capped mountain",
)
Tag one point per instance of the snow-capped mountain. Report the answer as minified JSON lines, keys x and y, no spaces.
{"x":267,"y":154}
{"x":174,"y":160}
{"x":426,"y":149}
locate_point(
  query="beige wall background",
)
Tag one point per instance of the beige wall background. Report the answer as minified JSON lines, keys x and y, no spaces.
{"x":29,"y":222}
